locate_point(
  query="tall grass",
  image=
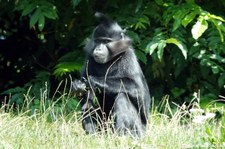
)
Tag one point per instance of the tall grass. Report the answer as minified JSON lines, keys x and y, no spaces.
{"x":169,"y":129}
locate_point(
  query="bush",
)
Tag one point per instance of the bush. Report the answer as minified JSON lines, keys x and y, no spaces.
{"x":180,"y":44}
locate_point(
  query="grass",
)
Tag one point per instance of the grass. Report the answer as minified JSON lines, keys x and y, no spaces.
{"x":25,"y":130}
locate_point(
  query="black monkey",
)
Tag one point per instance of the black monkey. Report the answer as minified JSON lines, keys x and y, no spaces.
{"x":112,"y":77}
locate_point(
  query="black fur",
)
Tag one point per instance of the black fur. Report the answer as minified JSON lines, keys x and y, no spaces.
{"x":117,"y":82}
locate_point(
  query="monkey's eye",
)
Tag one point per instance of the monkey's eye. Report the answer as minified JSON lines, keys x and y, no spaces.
{"x":122,"y":35}
{"x":98,"y":41}
{"x":102,"y":40}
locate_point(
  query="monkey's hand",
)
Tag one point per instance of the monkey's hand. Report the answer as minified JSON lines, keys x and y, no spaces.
{"x":78,"y":85}
{"x":79,"y":88}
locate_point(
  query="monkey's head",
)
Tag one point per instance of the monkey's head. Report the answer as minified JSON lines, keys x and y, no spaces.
{"x":108,"y":40}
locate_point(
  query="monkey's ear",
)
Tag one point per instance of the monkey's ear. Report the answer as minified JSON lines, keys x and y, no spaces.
{"x":120,"y":46}
{"x":104,"y":19}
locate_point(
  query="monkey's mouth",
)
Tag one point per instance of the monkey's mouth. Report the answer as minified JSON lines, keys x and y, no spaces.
{"x":100,"y":59}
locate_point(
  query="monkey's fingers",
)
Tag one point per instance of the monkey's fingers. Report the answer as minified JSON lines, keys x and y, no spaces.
{"x":77,"y":85}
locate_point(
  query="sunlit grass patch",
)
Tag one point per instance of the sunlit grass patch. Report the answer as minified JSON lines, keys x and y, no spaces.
{"x":31,"y":132}
{"x":50,"y":127}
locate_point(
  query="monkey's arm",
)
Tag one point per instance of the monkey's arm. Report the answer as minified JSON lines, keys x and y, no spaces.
{"x":130,"y":87}
{"x":115,"y":84}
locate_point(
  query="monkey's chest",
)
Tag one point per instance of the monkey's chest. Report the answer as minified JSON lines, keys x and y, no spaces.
{"x":99,"y":70}
{"x":106,"y":101}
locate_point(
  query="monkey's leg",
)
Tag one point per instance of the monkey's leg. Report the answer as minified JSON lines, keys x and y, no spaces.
{"x":90,"y":115}
{"x":126,"y":117}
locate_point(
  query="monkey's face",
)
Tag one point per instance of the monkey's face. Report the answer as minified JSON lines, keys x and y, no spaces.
{"x":101,"y":53}
{"x":107,"y":48}
{"x":109,"y":44}
{"x":108,"y":40}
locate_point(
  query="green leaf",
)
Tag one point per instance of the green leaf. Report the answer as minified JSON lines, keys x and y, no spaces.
{"x":145,"y":20}
{"x":139,"y":4}
{"x":212,"y":16}
{"x":177,"y":92}
{"x":199,"y":28}
{"x":181,"y":46}
{"x":21,"y":5}
{"x":34,"y":18}
{"x":215,"y":69}
{"x":41,"y":22}
{"x":190,"y":1}
{"x":75,"y":3}
{"x":217,"y":57}
{"x":66,"y":67}
{"x":141,"y":56}
{"x":50,"y":12}
{"x":151,"y":47}
{"x":72,"y":61}
{"x":28,"y":9}
{"x":177,"y":19}
{"x":161,"y":47}
{"x":220,"y":27}
{"x":140,"y":25}
{"x":159,"y":2}
{"x":15,"y":90}
{"x":188,"y":18}
{"x":221,"y":80}
{"x":134,"y":36}
{"x":208,"y":131}
{"x":142,"y":22}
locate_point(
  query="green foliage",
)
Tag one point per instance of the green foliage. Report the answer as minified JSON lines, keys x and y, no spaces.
{"x":35,"y":97}
{"x":72,"y":61}
{"x":159,"y":42}
{"x":207,"y":30}
{"x":75,"y":2}
{"x":17,"y":95}
{"x":216,"y":139}
{"x":38,"y":10}
{"x":180,"y":44}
